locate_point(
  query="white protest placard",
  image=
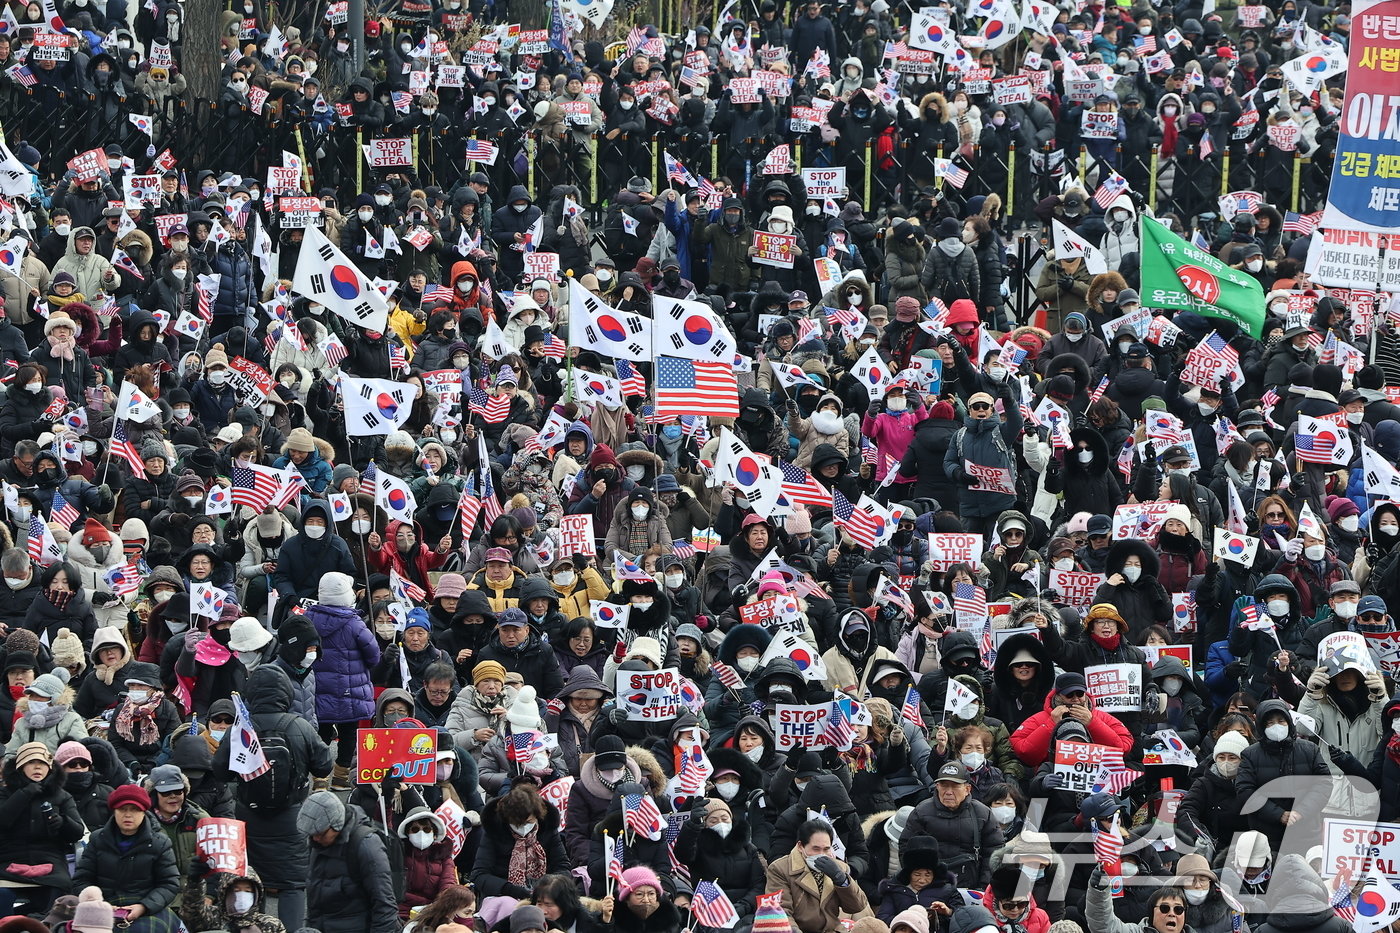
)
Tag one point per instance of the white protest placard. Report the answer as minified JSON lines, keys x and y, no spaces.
{"x":1138,"y":320}
{"x":1014,"y":89}
{"x":390,"y":152}
{"x":1115,"y":688}
{"x":1076,"y":587}
{"x":1096,"y":124}
{"x":800,"y":725}
{"x":1078,"y":764}
{"x":576,"y":535}
{"x":1138,"y":519}
{"x":774,"y":249}
{"x":743,"y":90}
{"x":1000,"y":635}
{"x":824,"y":183}
{"x":1340,"y":650}
{"x":990,"y":478}
{"x":1359,"y":848}
{"x":947,"y":549}
{"x":297,"y":213}
{"x":650,"y":696}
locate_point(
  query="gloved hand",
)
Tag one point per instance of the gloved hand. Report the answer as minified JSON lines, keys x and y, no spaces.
{"x":698,"y":808}
{"x":1066,"y":282}
{"x":1234,"y":669}
{"x":832,"y":869}
{"x":1375,"y":682}
{"x":1053,"y":781}
{"x":1318,"y":681}
{"x":1293,"y":548}
{"x":874,"y":408}
{"x":794,"y":755}
{"x":617,"y":716}
{"x":197,"y":868}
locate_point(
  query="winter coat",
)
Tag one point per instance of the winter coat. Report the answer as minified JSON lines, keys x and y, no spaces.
{"x":344,"y":691}
{"x":732,"y":862}
{"x":302,"y":562}
{"x":1143,"y":603}
{"x":1214,"y":804}
{"x":589,"y":800}
{"x":533,"y":659}
{"x":1303,"y":903}
{"x":143,"y":872}
{"x":966,"y":836}
{"x":951,"y":278}
{"x":26,"y":835}
{"x":1264,"y":761}
{"x":490,"y":870}
{"x":54,"y":726}
{"x":1009,"y":702}
{"x":1031,"y":741}
{"x":987,"y":442}
{"x":351,"y":889}
{"x":824,"y":790}
{"x":813,"y":907}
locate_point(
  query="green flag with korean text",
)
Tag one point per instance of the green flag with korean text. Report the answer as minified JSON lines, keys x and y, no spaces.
{"x":1177,"y":276}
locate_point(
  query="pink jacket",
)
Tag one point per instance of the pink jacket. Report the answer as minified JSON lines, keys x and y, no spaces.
{"x":892,"y":434}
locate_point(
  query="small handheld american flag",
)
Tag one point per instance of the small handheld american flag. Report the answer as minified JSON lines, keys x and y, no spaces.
{"x":839,"y":732}
{"x":712,"y":907}
{"x":1112,"y":187}
{"x":727,"y":675}
{"x":641,"y":816}
{"x":910,"y":709}
{"x":521,"y":746}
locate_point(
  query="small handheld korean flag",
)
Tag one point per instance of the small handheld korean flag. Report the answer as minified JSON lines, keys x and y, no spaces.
{"x":959,"y":699}
{"x":374,"y":406}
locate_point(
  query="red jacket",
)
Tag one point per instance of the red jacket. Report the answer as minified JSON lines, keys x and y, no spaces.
{"x":425,"y":557}
{"x":426,"y":874}
{"x":1031,"y":742}
{"x":1035,"y":919}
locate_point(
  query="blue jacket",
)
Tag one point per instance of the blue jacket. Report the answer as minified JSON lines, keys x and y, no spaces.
{"x":232,"y":263}
{"x":213,"y":404}
{"x":344,"y":690}
{"x":681,"y":223}
{"x":314,"y":469}
{"x":1222,"y":685}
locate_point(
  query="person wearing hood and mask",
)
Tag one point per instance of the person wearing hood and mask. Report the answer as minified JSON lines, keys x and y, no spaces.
{"x":1281,"y":753}
{"x":509,"y":225}
{"x":142,"y":718}
{"x":1179,"y":705}
{"x":741,"y":650}
{"x":1132,"y":587}
{"x":1023,"y":673}
{"x":1270,"y":656}
{"x":824,"y":425}
{"x":310,"y":555}
{"x":855,"y":655}
{"x":950,"y":270}
{"x":427,"y":855}
{"x":729,"y":239}
{"x":638,"y":524}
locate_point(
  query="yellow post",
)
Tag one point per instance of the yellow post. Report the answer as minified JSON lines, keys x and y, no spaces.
{"x":714,"y":158}
{"x":1302,"y":167}
{"x":593,"y":166}
{"x":305,"y":166}
{"x":359,"y":158}
{"x":1083,"y":163}
{"x":416,"y":167}
{"x":869,"y":151}
{"x":1152,"y":180}
{"x":1225,"y":174}
{"x":1010,"y":180}
{"x":797,"y":154}
{"x":660,"y":171}
{"x":530,"y":160}
{"x":1297,"y":178}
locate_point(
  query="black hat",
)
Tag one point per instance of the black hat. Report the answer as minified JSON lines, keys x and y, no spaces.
{"x":809,"y":766}
{"x":1099,"y":525}
{"x":534,"y":333}
{"x":609,"y":752}
{"x":1176,"y":453}
{"x":1071,"y":682}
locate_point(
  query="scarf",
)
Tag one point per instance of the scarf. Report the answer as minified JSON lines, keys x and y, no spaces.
{"x":140,"y":716}
{"x":859,"y":757}
{"x":527,"y":861}
{"x":1392,"y":748}
{"x":105,"y":672}
{"x":45,"y":718}
{"x":61,"y":349}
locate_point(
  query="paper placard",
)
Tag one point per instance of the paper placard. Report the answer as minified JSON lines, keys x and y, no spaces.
{"x":1078,"y":764}
{"x":947,"y":549}
{"x":1115,"y":687}
{"x":223,"y":843}
{"x":774,"y":249}
{"x":650,"y":696}
{"x":1076,"y":587}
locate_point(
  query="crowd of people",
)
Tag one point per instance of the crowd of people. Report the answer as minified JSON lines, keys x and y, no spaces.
{"x":814,"y":627}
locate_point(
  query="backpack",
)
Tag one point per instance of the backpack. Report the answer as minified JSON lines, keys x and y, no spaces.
{"x":884,"y":150}
{"x":393,"y":851}
{"x":277,"y":786}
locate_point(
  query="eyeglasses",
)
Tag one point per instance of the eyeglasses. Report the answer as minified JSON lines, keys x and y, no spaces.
{"x":1273,"y":515}
{"x":1170,"y":909}
{"x":1015,"y":905}
{"x":1372,"y":617}
{"x":77,"y":765}
{"x":1025,"y":664}
{"x":979,"y":406}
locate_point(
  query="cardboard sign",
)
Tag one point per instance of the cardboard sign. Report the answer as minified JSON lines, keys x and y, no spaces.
{"x":1083,"y":90}
{"x":990,"y":478}
{"x":1341,"y":650}
{"x":1138,"y":320}
{"x":1095,"y":124}
{"x":1115,"y":687}
{"x":800,"y":725}
{"x":977,"y":80}
{"x":650,"y":696}
{"x":223,"y":843}
{"x":1251,"y":16}
{"x":1156,"y":652}
{"x":945,"y":550}
{"x":1076,"y":587}
{"x":824,"y":183}
{"x":1284,"y":136}
{"x":51,"y":47}
{"x":390,"y":152}
{"x":407,"y":754}
{"x":1078,"y":763}
{"x":144,"y":188}
{"x":534,"y":41}
{"x":1360,"y":848}
{"x":1015,"y":89}
{"x":774,"y":83}
{"x":89,"y":165}
{"x":282,"y":179}
{"x":774,"y":249}
{"x":447,"y":383}
{"x":576,"y":535}
{"x":1138,"y":519}
{"x":540,"y":265}
{"x":577,"y":112}
{"x":299,"y":213}
{"x":804,"y":120}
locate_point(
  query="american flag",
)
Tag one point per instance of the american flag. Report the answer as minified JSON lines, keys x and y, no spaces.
{"x":632,"y":381}
{"x":405,"y":590}
{"x":403,"y":101}
{"x":492,"y":408}
{"x":1113,"y":776}
{"x":614,"y":848}
{"x":479,"y":150}
{"x":841,"y":316}
{"x":62,"y":511}
{"x":1341,"y":901}
{"x":695,"y":769}
{"x":1146,"y":45}
{"x":800,"y":486}
{"x":651,"y":416}
{"x":490,"y":505}
{"x":122,"y":447}
{"x":1328,"y":353}
{"x":727,"y":675}
{"x":1108,"y":846}
{"x":682,"y":548}
{"x":23,"y":75}
{"x":398,"y":358}
{"x":1207,"y":147}
{"x":1112,"y":187}
{"x":291,"y":484}
{"x":554,"y":348}
{"x":635,"y":38}
{"x":1314,"y":448}
{"x":1099,"y":390}
{"x":841,"y":508}
{"x":521,"y":746}
{"x":1251,"y":618}
{"x":468,"y":508}
{"x":436,"y":293}
{"x":673,"y":831}
{"x":640,"y":816}
{"x":910,"y":709}
{"x":970,"y":598}
{"x":867,"y":524}
{"x":42,"y":547}
{"x":839,"y":732}
{"x":254,"y":486}
{"x":688,"y":385}
{"x":951,"y":173}
{"x":333,"y":350}
{"x":711,"y":907}
{"x":808,"y":329}
{"x":1294,"y":222}
{"x":124,"y":580}
{"x":124,"y":262}
{"x":694,"y":426}
{"x":868,"y":453}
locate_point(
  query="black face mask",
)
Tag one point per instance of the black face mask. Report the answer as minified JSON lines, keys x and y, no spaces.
{"x":901,"y":538}
{"x":52,"y":476}
{"x":80,"y":780}
{"x":221,"y":635}
{"x":607,"y":476}
{"x":808,"y":404}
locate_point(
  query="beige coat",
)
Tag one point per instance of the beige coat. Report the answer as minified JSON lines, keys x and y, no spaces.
{"x":33,"y":275}
{"x":815,"y":911}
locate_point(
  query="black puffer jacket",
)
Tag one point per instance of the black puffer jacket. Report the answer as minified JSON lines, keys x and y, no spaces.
{"x":143,"y":872}
{"x":1265,"y":761}
{"x":1010,"y":702}
{"x":1302,"y":903}
{"x":732,"y":860}
{"x":1143,"y":603}
{"x":497,"y":841}
{"x":350,"y":889}
{"x":924,"y":461}
{"x":26,"y":834}
{"x":1213,"y":804}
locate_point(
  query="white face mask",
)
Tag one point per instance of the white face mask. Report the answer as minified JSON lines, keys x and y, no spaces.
{"x":1064,"y":563}
{"x":636,"y":472}
{"x":193,"y":501}
{"x":1315,"y":551}
{"x":1171,"y":686}
{"x":23,"y":512}
{"x":1205,"y":409}
{"x":250,"y":659}
{"x":626,"y":104}
{"x":1229,"y":769}
{"x":643,"y":606}
{"x":747,"y":664}
{"x":314,"y":532}
{"x":611,"y":775}
{"x":1390,"y":530}
{"x":382,"y":200}
{"x":217,"y":378}
{"x":826,"y":421}
{"x":811,"y":861}
{"x":974,"y":760}
{"x":1278,"y":607}
{"x":640,"y":512}
{"x":1395,"y":726}
{"x":421,"y":841}
{"x":997,"y":372}
{"x":1129,"y":869}
{"x":522,"y":830}
{"x":1196,"y":896}
{"x":1254,"y":265}
{"x":269,"y":410}
{"x":1131,"y":574}
{"x":181,"y":412}
{"x":361,"y":526}
{"x":564,"y":578}
{"x":1074,"y":336}
{"x":1345,"y":610}
{"x":1003,"y":815}
{"x":1355,"y":417}
{"x":897,"y":403}
{"x":675,"y":580}
{"x":1124,"y":346}
{"x":364,"y":214}
{"x":163,"y":597}
{"x":778,"y":226}
{"x":729,"y":789}
{"x":755,"y":754}
{"x":34,"y":388}
{"x":62,"y":229}
{"x":242,"y":901}
{"x":723,"y":828}
{"x":1277,"y":732}
{"x":38,"y":706}
{"x":1086,"y":456}
{"x":138,"y":696}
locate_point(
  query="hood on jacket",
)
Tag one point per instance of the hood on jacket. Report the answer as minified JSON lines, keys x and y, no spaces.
{"x":1278,"y":583}
{"x":1303,"y":902}
{"x":1274,"y":706}
{"x":1119,"y":551}
{"x":1044,"y":680}
{"x":269,"y":690}
{"x":1073,"y":365}
{"x":392,"y":693}
{"x":760,"y":725}
{"x":826,"y":790}
{"x":753,"y":636}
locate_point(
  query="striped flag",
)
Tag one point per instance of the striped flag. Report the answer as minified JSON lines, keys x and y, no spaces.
{"x":479,"y":150}
{"x":711,"y":907}
{"x":436,"y":293}
{"x":1306,"y":224}
{"x":869,"y":524}
{"x":632,"y":381}
{"x":674,"y":824}
{"x":970,"y":598}
{"x":333,"y":350}
{"x":468,"y":508}
{"x":62,"y":511}
{"x":727,"y":675}
{"x":398,"y":358}
{"x":635,"y":38}
{"x":838,"y":317}
{"x":641,"y":816}
{"x":1108,"y":848}
{"x":801,"y":486}
{"x":678,"y":172}
{"x":22,"y":76}
{"x":521,"y":746}
{"x":124,"y":580}
{"x":1207,"y":147}
{"x":1113,"y":776}
{"x":405,"y":591}
{"x":839,"y":732}
{"x":685,"y":386}
{"x":253,"y":485}
{"x":949,"y":172}
{"x":614,"y":849}
{"x":403,"y":101}
{"x":43,"y":549}
{"x":122,"y":447}
{"x":682,"y":549}
{"x":492,"y":408}
{"x":910,"y":709}
{"x":1112,"y":187}
{"x":1099,"y":390}
{"x":554,"y":348}
{"x":1146,"y":45}
{"x":1314,"y":448}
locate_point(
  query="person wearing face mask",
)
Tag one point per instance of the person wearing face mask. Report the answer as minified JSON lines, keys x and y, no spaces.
{"x":1280,"y":753}
{"x":1311,"y":565}
{"x":1213,"y":801}
{"x":994,"y":747}
{"x":61,"y":603}
{"x":599,"y":779}
{"x":1087,"y":478}
{"x":1179,"y":704}
{"x":716,"y":842}
{"x":1132,"y":586}
{"x":238,"y":900}
{"x":1075,"y":344}
{"x":729,"y":239}
{"x":298,"y":650}
{"x":518,"y":828}
{"x":212,"y":395}
{"x":741,"y":650}
{"x":1346,"y":699}
{"x":1380,"y":553}
{"x":1293,"y":349}
{"x":1263,"y":661}
{"x":891,"y":423}
{"x":509,"y":225}
{"x":428,"y":865}
{"x":142,"y":717}
{"x":44,"y":714}
{"x":83,"y":783}
{"x":364,"y":237}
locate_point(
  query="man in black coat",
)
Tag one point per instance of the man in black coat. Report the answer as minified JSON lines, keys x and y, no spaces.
{"x":519,"y":649}
{"x":1281,"y":753}
{"x":352,"y":888}
{"x":306,"y":557}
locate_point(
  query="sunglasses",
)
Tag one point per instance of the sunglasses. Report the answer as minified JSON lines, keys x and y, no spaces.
{"x":1015,"y":905}
{"x":1025,"y":664}
{"x":1372,"y":617}
{"x":980,"y":406}
{"x":1170,"y":909}
{"x":1273,"y":515}
{"x":77,"y":766}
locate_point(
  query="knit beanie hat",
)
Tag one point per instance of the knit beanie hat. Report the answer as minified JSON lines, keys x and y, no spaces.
{"x":488,"y":669}
{"x":336,"y":589}
{"x":93,"y":914}
{"x":1232,"y":742}
{"x":770,"y":917}
{"x":1065,"y":926}
{"x":320,"y":812}
{"x":799,"y":522}
{"x":523,"y":714}
{"x":68,"y":650}
{"x":638,"y":876}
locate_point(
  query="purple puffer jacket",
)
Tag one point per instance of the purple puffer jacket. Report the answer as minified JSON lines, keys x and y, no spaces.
{"x":344,"y":692}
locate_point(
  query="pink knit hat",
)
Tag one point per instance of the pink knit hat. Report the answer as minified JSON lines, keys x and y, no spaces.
{"x":638,"y":876}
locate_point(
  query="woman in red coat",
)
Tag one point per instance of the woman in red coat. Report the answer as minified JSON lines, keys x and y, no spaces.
{"x":428,"y":869}
{"x":404,"y":551}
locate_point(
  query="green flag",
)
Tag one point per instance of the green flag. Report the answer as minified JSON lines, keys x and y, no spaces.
{"x":1179,"y":277}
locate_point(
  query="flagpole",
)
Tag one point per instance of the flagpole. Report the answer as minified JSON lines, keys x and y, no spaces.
{"x":116,"y":416}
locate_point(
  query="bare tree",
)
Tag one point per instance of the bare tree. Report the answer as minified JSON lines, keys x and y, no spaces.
{"x":203,"y":68}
